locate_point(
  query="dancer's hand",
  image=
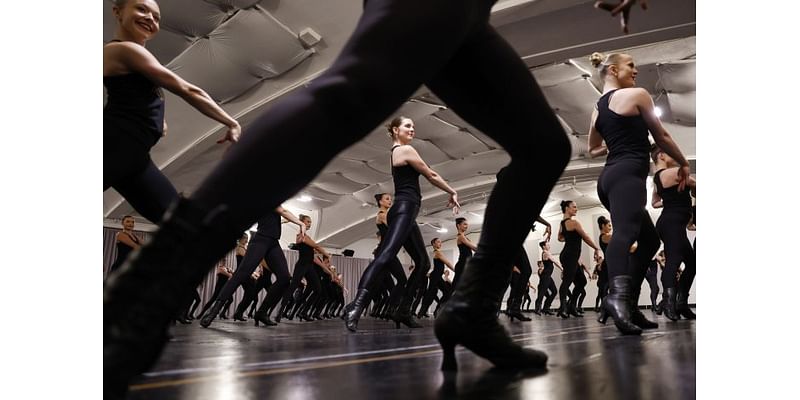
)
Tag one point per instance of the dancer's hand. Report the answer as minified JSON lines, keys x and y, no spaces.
{"x":683,"y":177}
{"x":302,"y":235}
{"x":547,"y":233}
{"x":623,"y":7}
{"x":598,"y":255}
{"x":232,"y":135}
{"x":453,"y":203}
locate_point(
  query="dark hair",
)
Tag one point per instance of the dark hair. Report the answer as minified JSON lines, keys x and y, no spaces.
{"x":303,"y":216}
{"x":654,"y":152}
{"x":602,"y":221}
{"x":378,"y":198}
{"x":394,"y":124}
{"x":542,"y":243}
{"x":127,"y":216}
{"x":565,"y":204}
{"x":459,"y":220}
{"x":433,"y":240}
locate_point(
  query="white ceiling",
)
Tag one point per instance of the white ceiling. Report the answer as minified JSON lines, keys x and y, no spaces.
{"x":219,"y":45}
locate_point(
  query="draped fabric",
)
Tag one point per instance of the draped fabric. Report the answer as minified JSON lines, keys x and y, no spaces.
{"x":350,"y":267}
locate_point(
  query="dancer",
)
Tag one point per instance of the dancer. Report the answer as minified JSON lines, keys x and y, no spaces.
{"x":602,"y":268}
{"x":395,"y":268}
{"x":506,"y":104}
{"x":546,"y":280}
{"x":303,"y":268}
{"x":624,"y":116}
{"x":571,"y":232}
{"x":133,"y":118}
{"x":579,"y":291}
{"x":223,"y":274}
{"x":465,"y":247}
{"x":671,"y":226}
{"x":126,"y":241}
{"x":263,"y":246}
{"x":436,"y":282}
{"x":407,"y":166}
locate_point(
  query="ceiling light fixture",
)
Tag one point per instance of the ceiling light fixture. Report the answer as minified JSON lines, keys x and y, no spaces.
{"x":658,"y":112}
{"x":305,"y":198}
{"x":442,"y":230}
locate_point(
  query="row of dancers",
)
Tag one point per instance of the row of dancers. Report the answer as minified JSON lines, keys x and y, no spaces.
{"x":383,"y":63}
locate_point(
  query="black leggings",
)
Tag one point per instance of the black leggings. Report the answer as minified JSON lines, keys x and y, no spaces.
{"x":569,"y":261}
{"x":579,"y":292}
{"x":677,"y":249}
{"x":403,"y":232}
{"x":261,"y":247}
{"x":221,"y":281}
{"x":524,"y":265}
{"x":128,"y":169}
{"x":461,"y":58}
{"x":313,"y":285}
{"x":652,"y":281}
{"x":434,"y":284}
{"x":622,"y":190}
{"x":545,"y":282}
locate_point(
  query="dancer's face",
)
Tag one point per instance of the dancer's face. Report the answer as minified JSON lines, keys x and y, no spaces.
{"x":307,"y":221}
{"x":571,"y":210}
{"x":128,"y":223}
{"x":626,"y":72}
{"x":139,"y":18}
{"x":437,"y":244}
{"x":405,"y":132}
{"x":386,"y":200}
{"x":462,"y":227}
{"x":607,"y":228}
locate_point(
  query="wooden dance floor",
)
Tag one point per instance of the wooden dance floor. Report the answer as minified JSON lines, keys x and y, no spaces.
{"x":322,"y":360}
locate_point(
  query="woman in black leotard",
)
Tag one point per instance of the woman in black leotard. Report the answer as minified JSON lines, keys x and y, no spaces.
{"x":624,"y":116}
{"x":263,"y":246}
{"x":580,"y":282}
{"x":436,"y":282}
{"x":403,"y":231}
{"x":671,"y":226}
{"x":571,"y":232}
{"x":304,"y":267}
{"x":395,"y":268}
{"x":465,"y":247}
{"x":126,"y":241}
{"x":133,"y":118}
{"x":547,"y":288}
{"x":223,"y":274}
{"x":602,"y":268}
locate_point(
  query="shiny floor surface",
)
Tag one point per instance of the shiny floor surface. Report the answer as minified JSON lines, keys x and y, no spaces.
{"x":321,"y":360}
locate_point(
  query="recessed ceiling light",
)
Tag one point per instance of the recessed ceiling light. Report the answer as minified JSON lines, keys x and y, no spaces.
{"x":442,"y":230}
{"x":305,"y":198}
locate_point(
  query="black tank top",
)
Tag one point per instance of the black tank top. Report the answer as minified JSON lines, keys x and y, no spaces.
{"x":406,"y":182}
{"x":603,"y":245}
{"x":672,"y":199}
{"x":626,"y":136}
{"x":438,"y":265}
{"x":464,"y":252}
{"x":135,"y":106}
{"x":383,"y":228}
{"x":306,"y":254}
{"x":270,"y":225}
{"x":123,"y":249}
{"x":572,"y":240}
{"x":548,"y":266}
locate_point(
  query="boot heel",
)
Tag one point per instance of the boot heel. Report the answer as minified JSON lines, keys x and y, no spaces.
{"x":603,"y":316}
{"x":449,"y":362}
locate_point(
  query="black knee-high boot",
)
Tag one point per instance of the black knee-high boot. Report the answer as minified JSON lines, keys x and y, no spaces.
{"x":469,"y":318}
{"x":352,"y":312}
{"x":140,"y":300}
{"x":637,"y":317}
{"x":617,"y":305}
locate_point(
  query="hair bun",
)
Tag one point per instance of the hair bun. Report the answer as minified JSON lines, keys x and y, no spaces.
{"x":596,"y":59}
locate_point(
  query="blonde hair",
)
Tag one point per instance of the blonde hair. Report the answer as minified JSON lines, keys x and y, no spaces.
{"x":602,"y":62}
